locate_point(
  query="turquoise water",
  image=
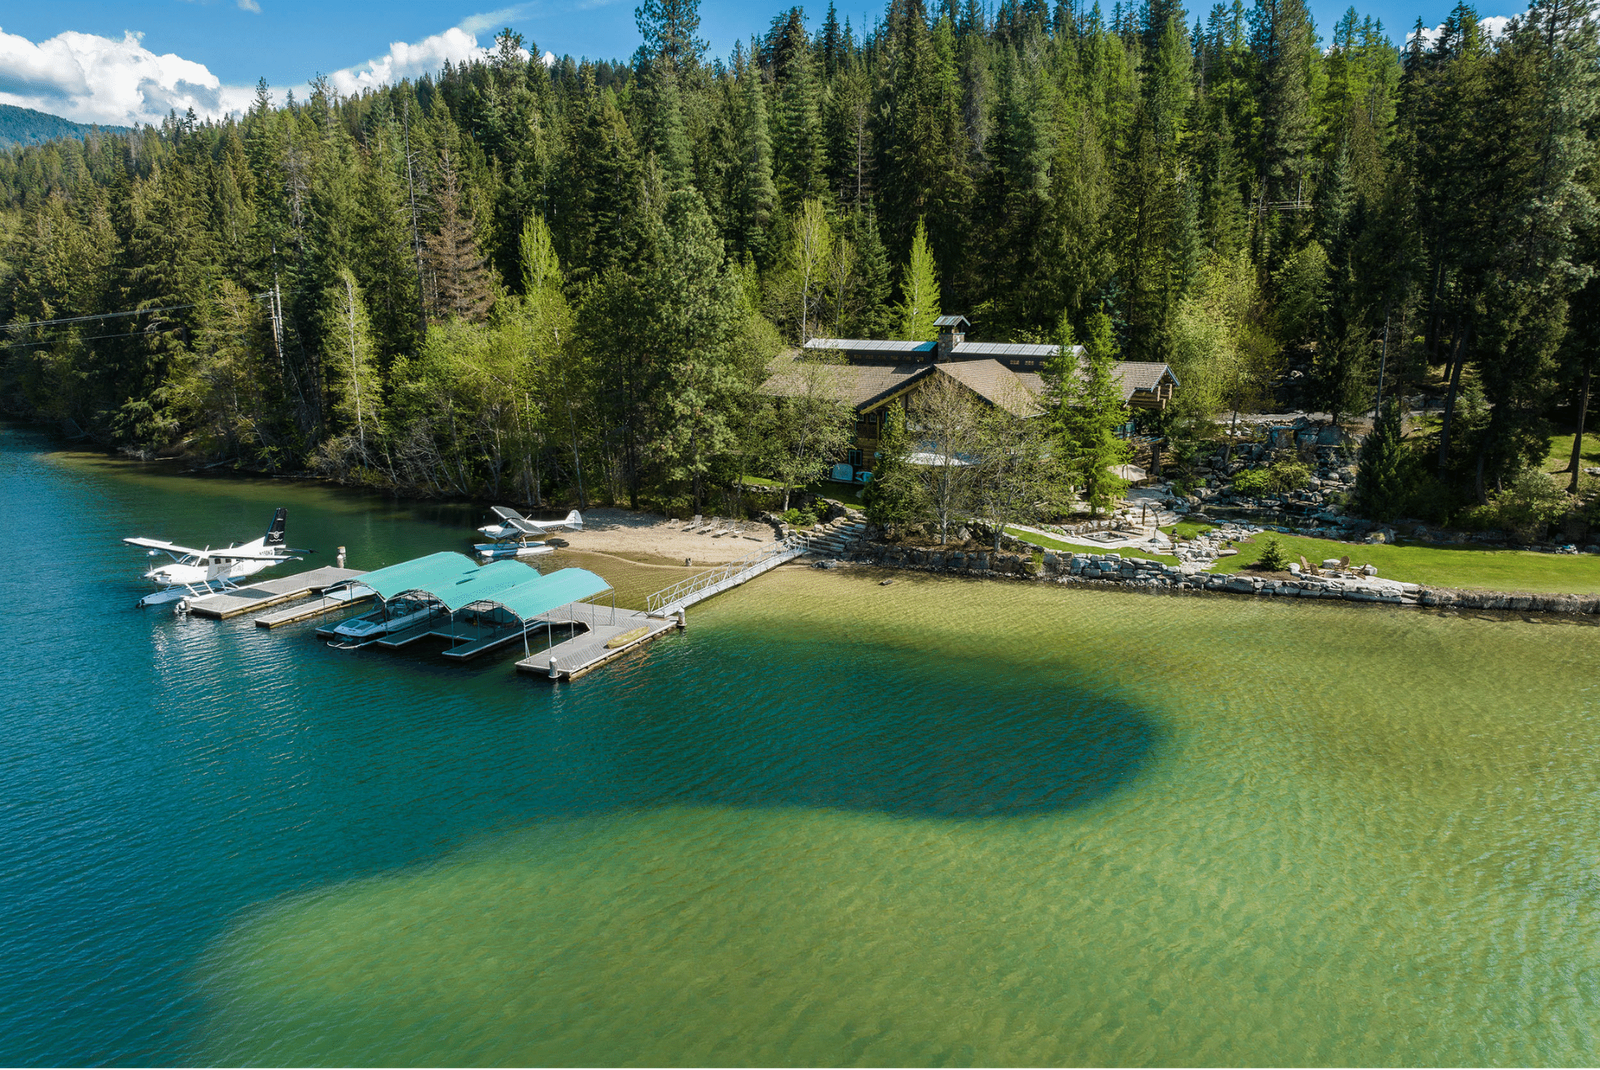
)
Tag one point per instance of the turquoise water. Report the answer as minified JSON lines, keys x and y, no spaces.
{"x":939,"y":822}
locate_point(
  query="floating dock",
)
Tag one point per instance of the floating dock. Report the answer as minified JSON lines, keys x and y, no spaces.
{"x":593,"y":647}
{"x":273,"y":592}
{"x":326,"y":603}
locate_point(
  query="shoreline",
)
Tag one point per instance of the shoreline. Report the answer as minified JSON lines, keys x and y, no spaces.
{"x":1152,"y":577}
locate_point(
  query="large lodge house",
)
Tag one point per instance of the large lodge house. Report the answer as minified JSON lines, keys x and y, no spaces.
{"x":1003,"y":374}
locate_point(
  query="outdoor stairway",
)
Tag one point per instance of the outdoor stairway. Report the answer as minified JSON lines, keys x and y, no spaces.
{"x":838,"y":537}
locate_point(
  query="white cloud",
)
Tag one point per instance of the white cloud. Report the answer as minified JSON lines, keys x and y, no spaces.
{"x":95,"y":79}
{"x":491,"y":20}
{"x":412,"y":60}
{"x":1493,"y":26}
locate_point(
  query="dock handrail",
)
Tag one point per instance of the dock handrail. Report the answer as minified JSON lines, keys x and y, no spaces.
{"x":685,"y":590}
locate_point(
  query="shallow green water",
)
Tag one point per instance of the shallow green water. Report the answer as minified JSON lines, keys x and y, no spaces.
{"x":940,"y":822}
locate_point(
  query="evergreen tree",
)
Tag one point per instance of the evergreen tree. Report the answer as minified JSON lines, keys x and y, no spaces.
{"x":1380,"y":473}
{"x":1088,"y":413}
{"x":893,"y":496}
{"x":458,"y":278}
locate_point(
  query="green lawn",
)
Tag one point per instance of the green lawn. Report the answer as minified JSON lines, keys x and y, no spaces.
{"x":1442,"y":566}
{"x":1561,"y":452}
{"x":1047,"y":543}
{"x":848,"y":493}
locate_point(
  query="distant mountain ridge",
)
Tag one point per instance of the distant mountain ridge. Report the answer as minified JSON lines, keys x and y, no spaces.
{"x":24,"y":126}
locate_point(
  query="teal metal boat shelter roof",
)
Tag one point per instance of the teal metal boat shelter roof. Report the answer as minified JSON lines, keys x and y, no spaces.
{"x":456,"y":581}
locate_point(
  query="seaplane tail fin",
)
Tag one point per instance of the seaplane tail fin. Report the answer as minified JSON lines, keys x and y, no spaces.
{"x":575,"y":520}
{"x":274,"y":536}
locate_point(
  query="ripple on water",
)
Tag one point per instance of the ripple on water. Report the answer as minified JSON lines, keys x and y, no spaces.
{"x":964,"y":823}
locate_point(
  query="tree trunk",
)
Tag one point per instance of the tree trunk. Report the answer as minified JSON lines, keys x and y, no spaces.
{"x":577,"y":463}
{"x":1457,"y":360}
{"x":1576,"y":465}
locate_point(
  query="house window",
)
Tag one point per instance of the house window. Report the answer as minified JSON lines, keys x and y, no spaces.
{"x":853,"y":458}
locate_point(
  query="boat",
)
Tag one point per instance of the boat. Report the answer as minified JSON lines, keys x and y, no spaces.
{"x":391,"y":618}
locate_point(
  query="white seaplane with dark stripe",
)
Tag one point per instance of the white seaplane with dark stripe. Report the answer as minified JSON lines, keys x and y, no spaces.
{"x":193,"y":573}
{"x":512,"y":533}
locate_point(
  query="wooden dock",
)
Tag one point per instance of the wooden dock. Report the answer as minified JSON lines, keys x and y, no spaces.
{"x":327,"y":603}
{"x":588,"y":649}
{"x":273,"y":592}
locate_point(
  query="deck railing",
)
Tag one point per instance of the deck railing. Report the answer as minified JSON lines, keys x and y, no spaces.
{"x":687,"y":589}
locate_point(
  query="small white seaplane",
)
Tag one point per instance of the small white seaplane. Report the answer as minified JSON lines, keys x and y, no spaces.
{"x":195,"y":573}
{"x":512,"y":533}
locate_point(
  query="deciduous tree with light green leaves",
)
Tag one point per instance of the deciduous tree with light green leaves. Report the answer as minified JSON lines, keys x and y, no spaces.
{"x":919,"y":291}
{"x":349,"y":363}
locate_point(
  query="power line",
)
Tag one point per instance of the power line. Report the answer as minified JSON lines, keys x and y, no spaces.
{"x":117,"y":315}
{"x":100,"y":316}
{"x":57,"y":341}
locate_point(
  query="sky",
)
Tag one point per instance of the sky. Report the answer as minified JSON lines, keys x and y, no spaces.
{"x":122,"y":63}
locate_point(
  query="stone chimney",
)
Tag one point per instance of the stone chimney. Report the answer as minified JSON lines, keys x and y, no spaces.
{"x":952,"y":332}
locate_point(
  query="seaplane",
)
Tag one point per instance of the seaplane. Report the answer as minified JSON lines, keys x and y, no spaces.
{"x":196,"y":573}
{"x":512,"y":533}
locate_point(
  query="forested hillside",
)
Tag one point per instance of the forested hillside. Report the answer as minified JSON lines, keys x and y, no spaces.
{"x":565,"y":281}
{"x":24,"y":126}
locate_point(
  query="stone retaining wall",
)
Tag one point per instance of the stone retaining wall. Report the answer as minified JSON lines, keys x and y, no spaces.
{"x":1139,"y":573}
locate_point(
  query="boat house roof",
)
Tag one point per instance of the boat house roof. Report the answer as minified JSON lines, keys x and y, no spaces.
{"x":457,"y":581}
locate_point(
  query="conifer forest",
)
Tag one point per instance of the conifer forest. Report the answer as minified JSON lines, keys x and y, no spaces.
{"x":565,"y":282}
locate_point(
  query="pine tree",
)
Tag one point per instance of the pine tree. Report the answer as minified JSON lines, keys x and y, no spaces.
{"x":797,"y":114}
{"x":1380,"y":472}
{"x":459,"y":279}
{"x":668,"y":28}
{"x":1089,"y":411}
{"x":757,"y":196}
{"x":893,"y":496}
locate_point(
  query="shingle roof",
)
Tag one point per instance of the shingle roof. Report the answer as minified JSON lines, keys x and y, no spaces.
{"x":864,"y":385}
{"x":860,"y":384}
{"x":994,"y":383}
{"x":950,"y":321}
{"x":1132,"y":376}
{"x":1143,"y":375}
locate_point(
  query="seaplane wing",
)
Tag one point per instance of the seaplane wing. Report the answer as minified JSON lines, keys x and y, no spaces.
{"x":166,"y":547}
{"x":503,"y":513}
{"x":527,"y":527}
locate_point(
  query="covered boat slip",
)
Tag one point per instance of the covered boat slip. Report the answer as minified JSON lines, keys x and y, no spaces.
{"x":479,"y":608}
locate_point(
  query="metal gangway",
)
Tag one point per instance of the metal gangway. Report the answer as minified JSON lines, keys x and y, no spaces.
{"x":698,"y":588}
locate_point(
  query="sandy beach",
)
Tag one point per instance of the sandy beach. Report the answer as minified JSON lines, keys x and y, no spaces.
{"x":655,"y":539}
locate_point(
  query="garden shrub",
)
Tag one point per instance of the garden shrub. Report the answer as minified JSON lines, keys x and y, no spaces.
{"x":1280,"y":477}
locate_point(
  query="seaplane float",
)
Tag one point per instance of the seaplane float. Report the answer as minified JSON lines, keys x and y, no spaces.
{"x":195,"y":573}
{"x":513,"y":531}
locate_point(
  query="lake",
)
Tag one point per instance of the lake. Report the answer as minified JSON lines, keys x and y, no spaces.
{"x":945,"y":821}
